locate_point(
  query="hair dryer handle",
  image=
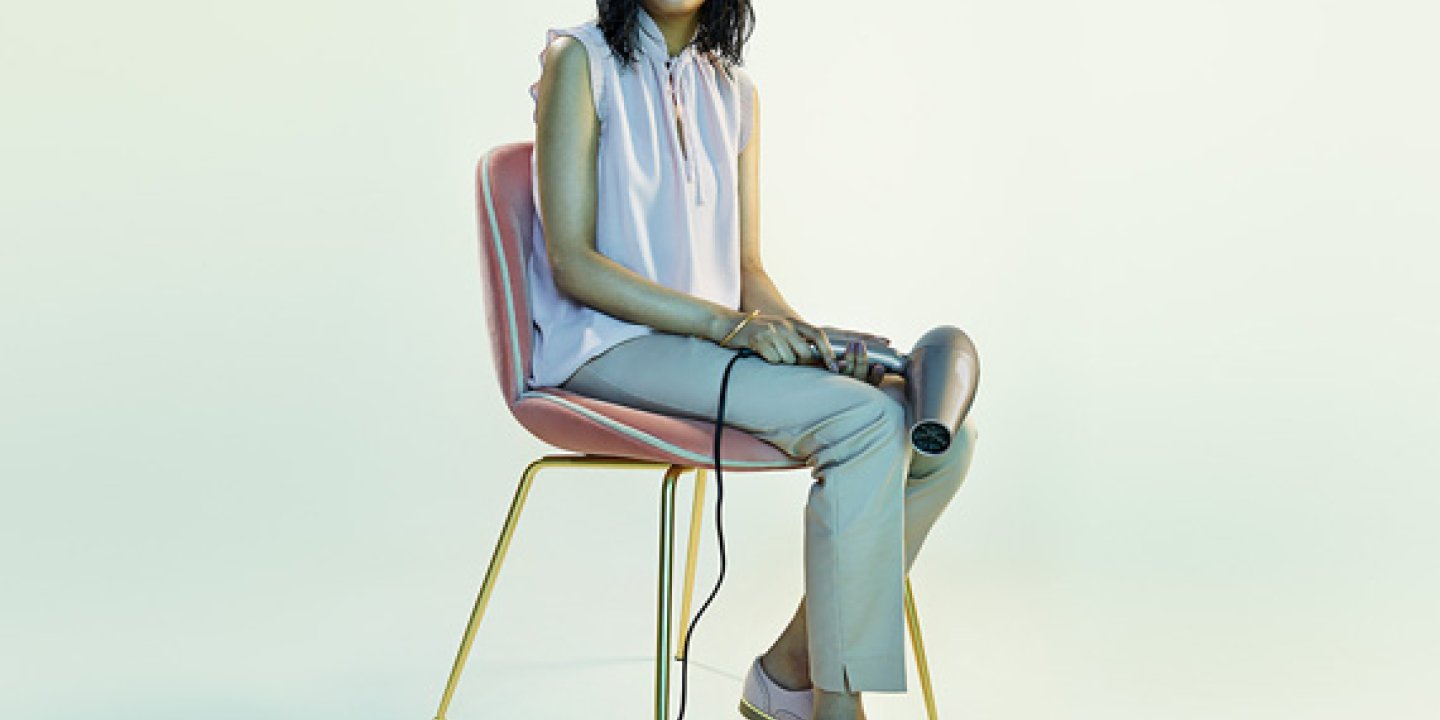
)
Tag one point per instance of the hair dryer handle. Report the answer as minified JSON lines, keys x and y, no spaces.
{"x":876,"y":354}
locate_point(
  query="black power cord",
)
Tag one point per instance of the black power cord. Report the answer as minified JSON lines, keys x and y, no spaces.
{"x":719,"y":527}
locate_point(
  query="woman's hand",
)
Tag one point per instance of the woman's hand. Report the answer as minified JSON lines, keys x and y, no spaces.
{"x":796,"y":342}
{"x":856,"y":362}
{"x":788,"y":341}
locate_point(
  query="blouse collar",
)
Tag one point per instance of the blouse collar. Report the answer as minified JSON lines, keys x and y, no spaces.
{"x":652,"y":41}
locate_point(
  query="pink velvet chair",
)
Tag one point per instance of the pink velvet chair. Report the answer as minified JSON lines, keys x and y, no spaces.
{"x":602,"y":434}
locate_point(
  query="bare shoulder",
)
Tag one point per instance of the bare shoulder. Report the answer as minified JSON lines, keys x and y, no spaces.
{"x":565,"y":82}
{"x":566,"y":57}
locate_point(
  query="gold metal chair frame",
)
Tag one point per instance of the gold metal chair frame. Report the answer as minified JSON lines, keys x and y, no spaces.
{"x":664,"y":605}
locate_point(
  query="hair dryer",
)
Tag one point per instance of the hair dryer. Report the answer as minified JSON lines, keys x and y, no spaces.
{"x":941,"y":375}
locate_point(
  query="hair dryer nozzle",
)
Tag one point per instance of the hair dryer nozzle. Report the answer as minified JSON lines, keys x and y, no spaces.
{"x":941,"y":378}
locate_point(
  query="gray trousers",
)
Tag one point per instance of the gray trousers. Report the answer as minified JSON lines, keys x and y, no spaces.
{"x":873,"y":501}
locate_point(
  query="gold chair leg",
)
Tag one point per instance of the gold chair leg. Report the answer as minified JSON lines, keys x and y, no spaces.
{"x":913,"y":620}
{"x":488,"y":585}
{"x":664,"y":606}
{"x":688,"y":590}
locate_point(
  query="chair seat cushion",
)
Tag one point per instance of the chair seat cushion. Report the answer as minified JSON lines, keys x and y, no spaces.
{"x":598,"y":427}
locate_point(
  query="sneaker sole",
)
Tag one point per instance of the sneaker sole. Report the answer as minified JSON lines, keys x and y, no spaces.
{"x":752,"y":712}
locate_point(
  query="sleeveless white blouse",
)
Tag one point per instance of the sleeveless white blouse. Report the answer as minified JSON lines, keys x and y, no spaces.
{"x":671,"y":216}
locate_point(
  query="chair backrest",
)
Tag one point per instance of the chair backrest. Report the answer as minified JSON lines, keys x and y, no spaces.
{"x":507,"y":214}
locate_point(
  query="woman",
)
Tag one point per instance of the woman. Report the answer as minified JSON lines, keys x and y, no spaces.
{"x":646,"y":279}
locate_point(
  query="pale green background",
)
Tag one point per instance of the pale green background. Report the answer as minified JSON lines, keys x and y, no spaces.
{"x":254,"y":455}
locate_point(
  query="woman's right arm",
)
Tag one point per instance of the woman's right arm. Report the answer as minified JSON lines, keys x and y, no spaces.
{"x":566,"y":141}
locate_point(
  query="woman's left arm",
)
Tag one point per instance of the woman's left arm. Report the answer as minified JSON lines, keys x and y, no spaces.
{"x":757,"y":290}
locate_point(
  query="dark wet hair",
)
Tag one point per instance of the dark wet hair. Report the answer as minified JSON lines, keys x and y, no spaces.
{"x":725,"y":25}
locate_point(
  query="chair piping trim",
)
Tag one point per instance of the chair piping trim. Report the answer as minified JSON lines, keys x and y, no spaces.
{"x":651,"y":439}
{"x":504,"y":272}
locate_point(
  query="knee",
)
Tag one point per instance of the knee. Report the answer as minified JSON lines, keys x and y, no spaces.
{"x":867,"y":401}
{"x":890,"y":415}
{"x":882,"y":418}
{"x":962,"y":442}
{"x":967,"y":431}
{"x":962,"y":447}
{"x":870,"y":421}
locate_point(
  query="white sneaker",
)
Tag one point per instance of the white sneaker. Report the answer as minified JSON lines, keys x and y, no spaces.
{"x":764,"y":699}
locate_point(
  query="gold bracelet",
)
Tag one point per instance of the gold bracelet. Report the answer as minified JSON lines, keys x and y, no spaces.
{"x":746,"y":319}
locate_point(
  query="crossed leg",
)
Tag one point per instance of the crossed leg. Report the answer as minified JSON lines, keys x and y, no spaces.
{"x":932,"y":482}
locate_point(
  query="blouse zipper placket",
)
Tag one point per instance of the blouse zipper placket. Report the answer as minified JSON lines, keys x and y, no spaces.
{"x":675,"y":105}
{"x":691,"y":172}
